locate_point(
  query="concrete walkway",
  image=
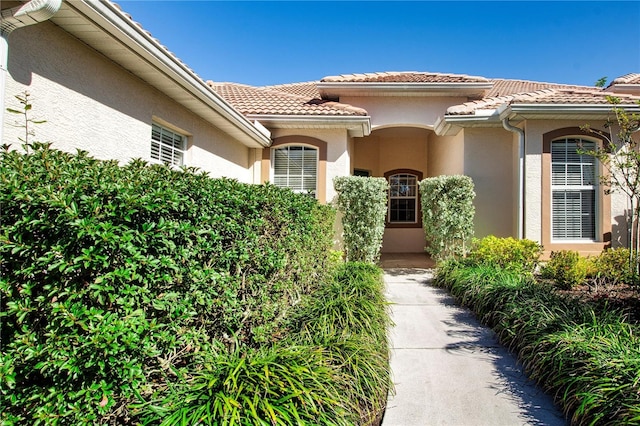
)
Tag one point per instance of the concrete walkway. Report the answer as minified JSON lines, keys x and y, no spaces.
{"x":447,"y":368}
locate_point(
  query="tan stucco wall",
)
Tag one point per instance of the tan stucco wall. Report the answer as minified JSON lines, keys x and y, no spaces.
{"x":488,"y":160}
{"x":403,"y":240}
{"x":403,"y":110}
{"x":93,"y":104}
{"x":392,"y":148}
{"x":446,"y":154}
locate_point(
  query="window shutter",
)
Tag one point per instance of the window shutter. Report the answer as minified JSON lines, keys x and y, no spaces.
{"x":573,"y":184}
{"x":296,"y":167}
{"x":167,"y":146}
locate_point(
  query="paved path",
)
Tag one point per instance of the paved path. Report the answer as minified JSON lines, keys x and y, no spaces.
{"x":448,"y":369}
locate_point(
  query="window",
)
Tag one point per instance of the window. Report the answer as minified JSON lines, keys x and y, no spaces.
{"x":573,"y":190}
{"x":167,"y":146}
{"x":296,"y":167}
{"x":403,"y":198}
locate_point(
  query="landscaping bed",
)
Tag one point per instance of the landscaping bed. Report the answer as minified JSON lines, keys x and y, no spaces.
{"x":622,"y":297}
{"x":142,"y":294}
{"x":577,"y":344}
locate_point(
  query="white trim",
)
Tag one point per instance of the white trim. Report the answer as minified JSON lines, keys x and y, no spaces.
{"x":337,"y":89}
{"x":358,"y":126}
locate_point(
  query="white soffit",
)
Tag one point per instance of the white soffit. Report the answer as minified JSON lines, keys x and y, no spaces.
{"x":333,"y":90}
{"x":356,"y":126}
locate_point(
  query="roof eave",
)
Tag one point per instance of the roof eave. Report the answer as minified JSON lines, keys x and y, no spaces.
{"x":146,"y":58}
{"x":450,"y":125}
{"x":337,"y":89}
{"x":563,"y":111}
{"x":356,"y":126}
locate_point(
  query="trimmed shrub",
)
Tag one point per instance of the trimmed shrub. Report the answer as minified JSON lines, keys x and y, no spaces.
{"x":508,"y":253}
{"x":612,"y":267}
{"x":119,"y":283}
{"x":363,"y":204}
{"x":447,"y":215}
{"x":566,"y":268}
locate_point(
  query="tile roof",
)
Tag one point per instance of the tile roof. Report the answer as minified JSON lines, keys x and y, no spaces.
{"x":308,"y":90}
{"x":251,"y":100}
{"x":404,"y":77}
{"x":548,"y":96}
{"x":503,"y":87}
{"x":631,"y":78}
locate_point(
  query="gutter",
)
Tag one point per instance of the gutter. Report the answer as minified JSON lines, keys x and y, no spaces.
{"x":30,"y":13}
{"x":521,"y":170}
{"x":337,"y":89}
{"x":357,"y":126}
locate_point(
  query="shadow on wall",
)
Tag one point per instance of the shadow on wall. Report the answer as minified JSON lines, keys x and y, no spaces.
{"x":619,"y":231}
{"x":49,"y":52}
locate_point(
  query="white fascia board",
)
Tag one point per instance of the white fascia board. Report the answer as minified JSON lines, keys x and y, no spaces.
{"x":111,"y":20}
{"x":337,"y":89}
{"x":356,"y":126}
{"x":450,"y":125}
{"x":546,"y":110}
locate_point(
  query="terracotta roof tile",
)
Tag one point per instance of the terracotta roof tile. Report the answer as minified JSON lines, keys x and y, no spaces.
{"x":504,"y":87}
{"x":404,"y":77}
{"x":308,"y":90}
{"x":631,"y":78}
{"x":251,"y":100}
{"x":542,"y":97}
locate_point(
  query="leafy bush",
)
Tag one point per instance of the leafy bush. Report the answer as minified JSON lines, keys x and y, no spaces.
{"x":612,"y":267}
{"x":350,"y":319}
{"x":119,"y":283}
{"x":447,"y":214}
{"x":588,"y":360}
{"x":567,"y":268}
{"x":363,"y":204}
{"x":332,"y":368}
{"x":508,"y":253}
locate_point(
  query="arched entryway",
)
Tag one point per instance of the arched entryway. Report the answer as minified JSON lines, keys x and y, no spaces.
{"x":400,"y":154}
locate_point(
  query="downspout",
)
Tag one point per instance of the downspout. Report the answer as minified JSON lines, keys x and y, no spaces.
{"x":521,"y":146}
{"x":30,"y":13}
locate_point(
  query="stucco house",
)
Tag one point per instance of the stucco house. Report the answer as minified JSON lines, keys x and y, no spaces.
{"x":106,"y":86}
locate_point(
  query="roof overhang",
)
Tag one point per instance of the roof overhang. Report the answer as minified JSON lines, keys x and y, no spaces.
{"x":449,"y":125}
{"x":356,"y":126}
{"x":102,"y":26}
{"x":335,"y":90}
{"x":563,"y":111}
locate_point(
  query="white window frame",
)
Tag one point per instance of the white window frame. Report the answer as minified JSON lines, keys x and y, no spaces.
{"x":576,"y":183}
{"x":304,"y":175}
{"x":167,"y":146}
{"x":414,"y":196}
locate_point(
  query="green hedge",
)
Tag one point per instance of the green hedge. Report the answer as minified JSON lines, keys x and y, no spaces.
{"x":447,"y":215}
{"x":363,"y":204}
{"x":588,"y":360}
{"x":121,"y":285}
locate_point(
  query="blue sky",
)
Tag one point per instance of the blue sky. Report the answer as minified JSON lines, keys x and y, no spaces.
{"x":263,"y":43}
